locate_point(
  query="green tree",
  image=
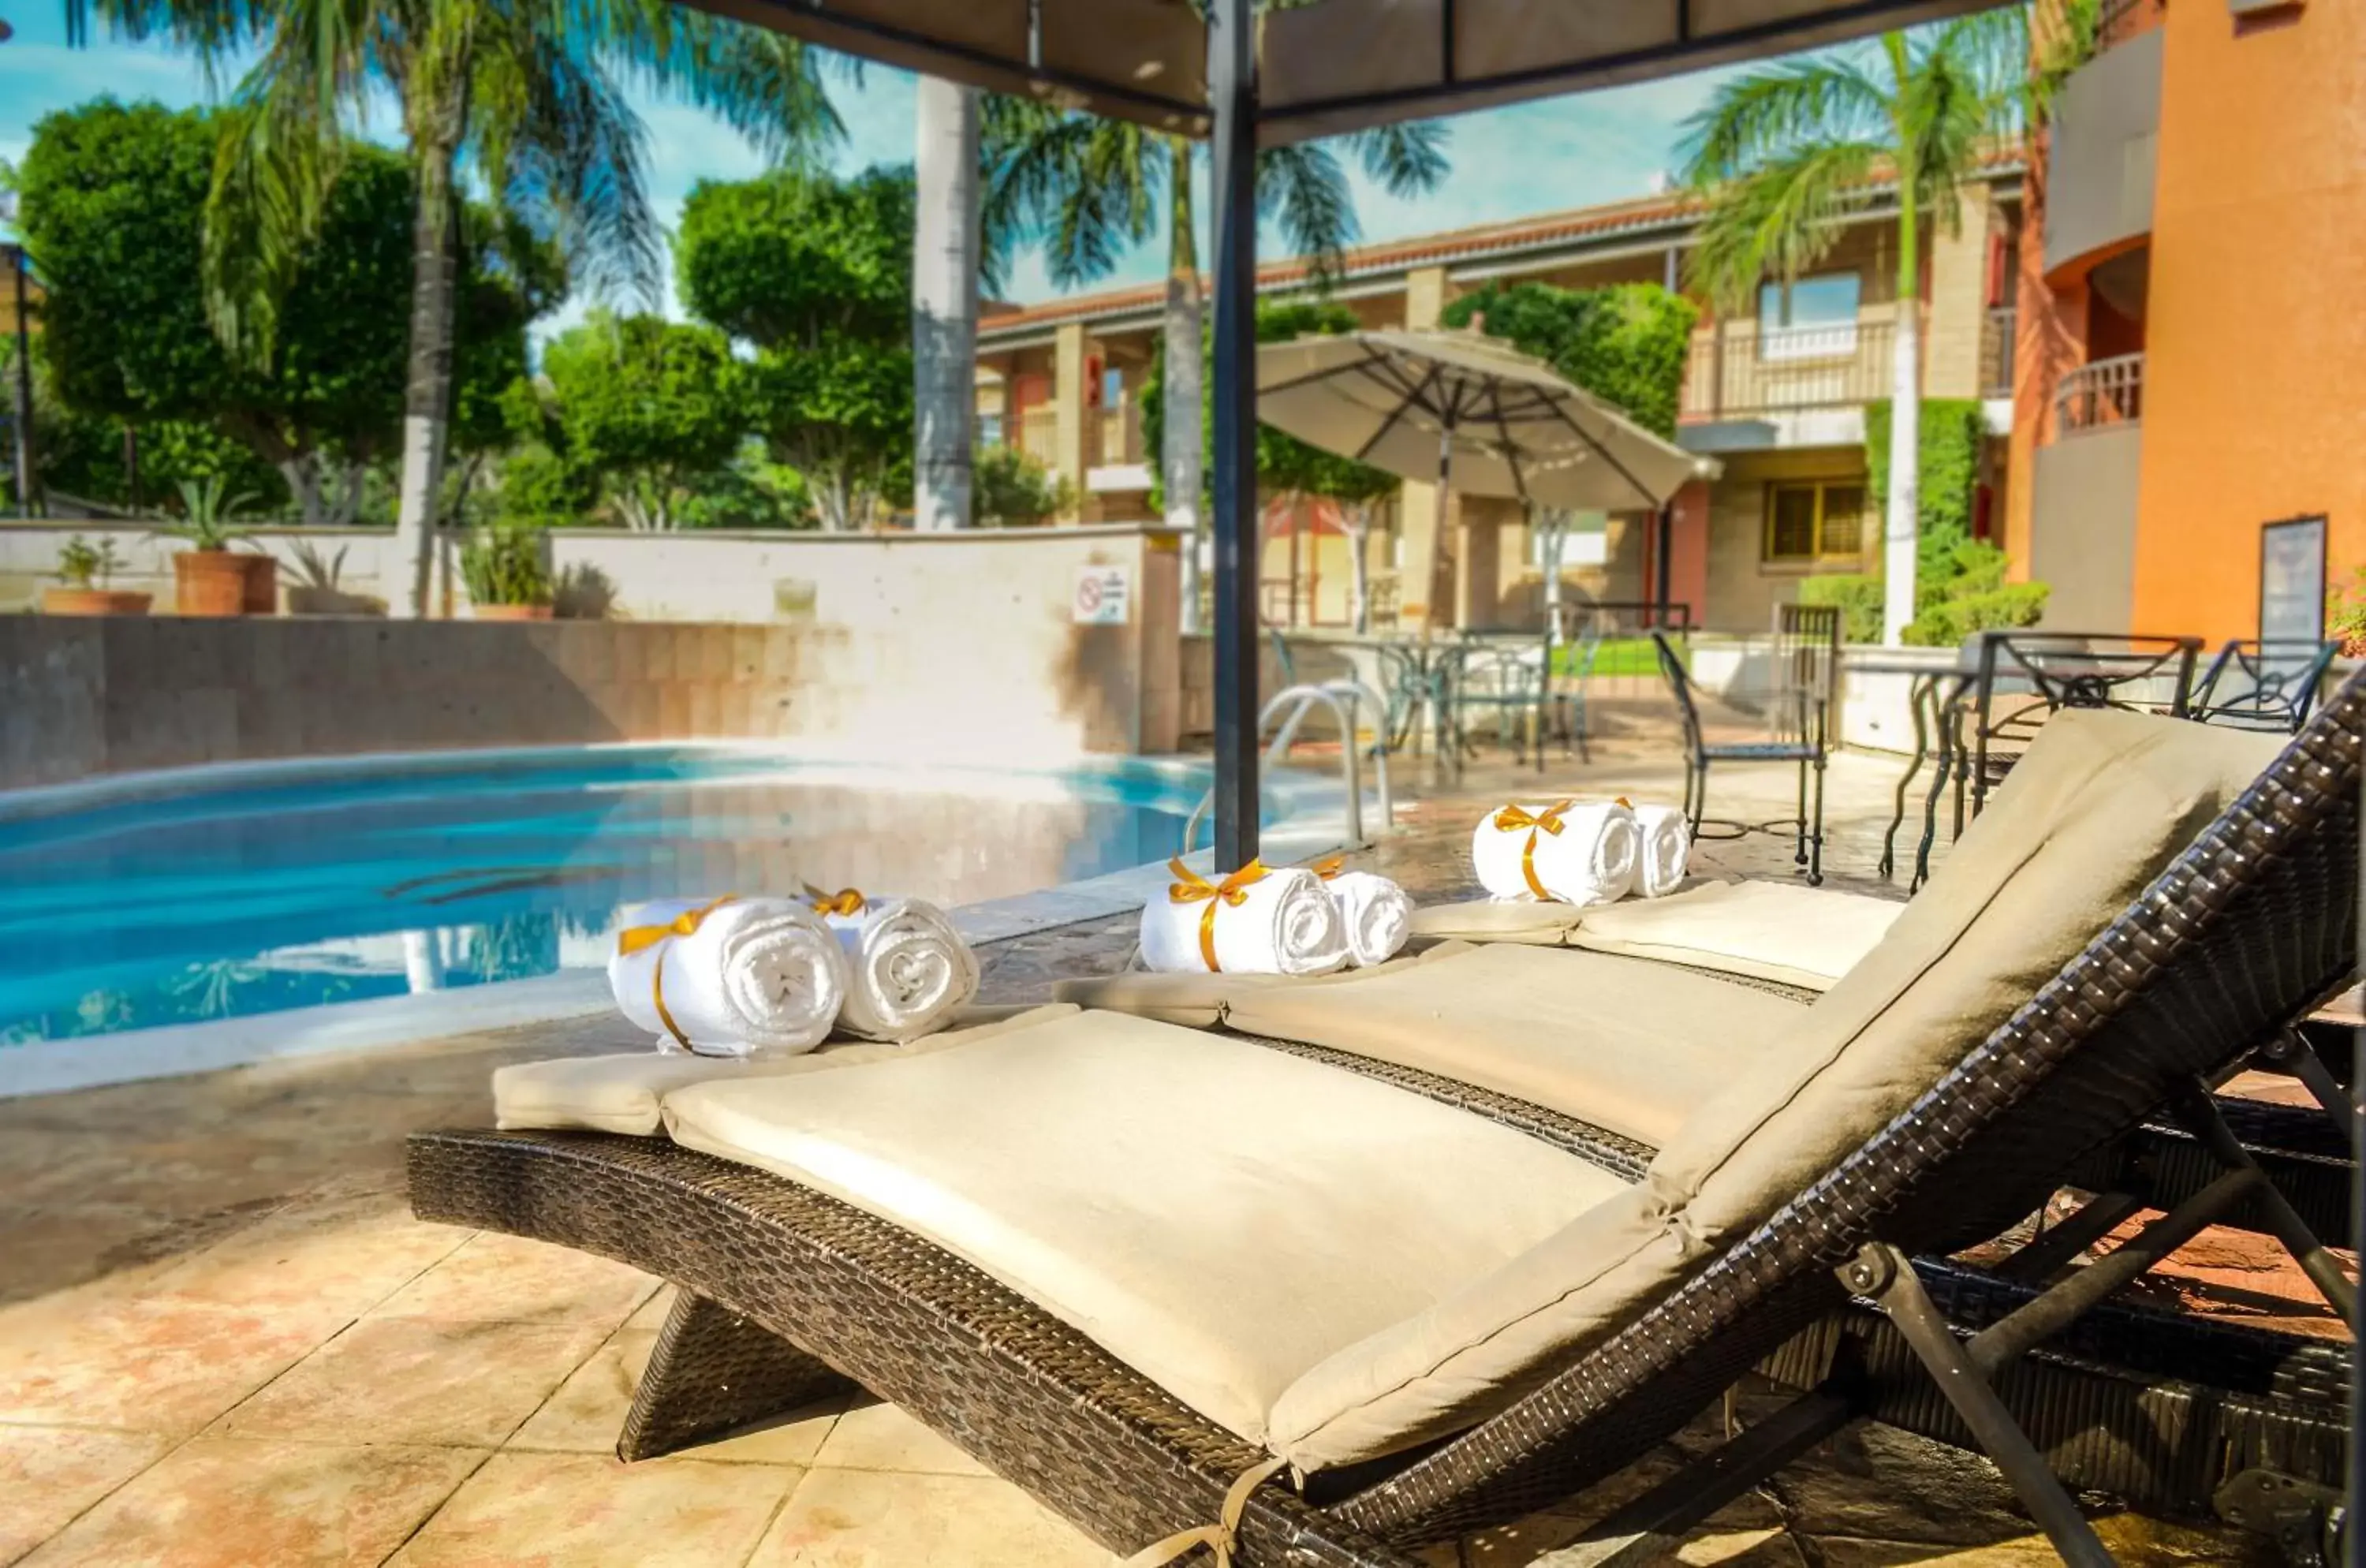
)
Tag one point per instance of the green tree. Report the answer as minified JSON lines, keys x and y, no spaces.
{"x":1086,"y":189}
{"x":113,"y":201}
{"x":1783,"y":153}
{"x":529,"y":95}
{"x":816,"y":273}
{"x":1626,"y":343}
{"x":648,"y":409}
{"x":1014,"y":490}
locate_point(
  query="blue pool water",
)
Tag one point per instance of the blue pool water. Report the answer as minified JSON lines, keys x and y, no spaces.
{"x":248,"y":891}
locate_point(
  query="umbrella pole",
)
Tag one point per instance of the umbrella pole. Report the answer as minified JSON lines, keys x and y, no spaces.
{"x":1232,"y":91}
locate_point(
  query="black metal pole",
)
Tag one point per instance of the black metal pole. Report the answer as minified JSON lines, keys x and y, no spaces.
{"x":15,"y":255}
{"x":1231,"y":89}
{"x":1665,"y":547}
{"x":2353,"y":1542}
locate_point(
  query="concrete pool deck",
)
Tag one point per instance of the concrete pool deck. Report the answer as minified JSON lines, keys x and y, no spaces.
{"x":223,"y":1340}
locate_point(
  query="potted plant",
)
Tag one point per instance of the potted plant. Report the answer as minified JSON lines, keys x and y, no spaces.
{"x":210,"y":578}
{"x":505,"y":574}
{"x":318,"y":587}
{"x":85,"y":569}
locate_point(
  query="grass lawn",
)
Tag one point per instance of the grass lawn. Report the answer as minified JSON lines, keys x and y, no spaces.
{"x":1619,"y":656}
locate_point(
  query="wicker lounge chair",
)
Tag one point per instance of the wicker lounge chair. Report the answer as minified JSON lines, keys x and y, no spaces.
{"x":785,"y":1288}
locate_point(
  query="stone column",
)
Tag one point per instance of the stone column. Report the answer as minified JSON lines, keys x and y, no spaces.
{"x":1428,"y":595}
{"x":1959,"y":265}
{"x":1068,"y":405}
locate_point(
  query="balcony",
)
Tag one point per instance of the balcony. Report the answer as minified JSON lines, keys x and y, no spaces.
{"x":1039,"y":435}
{"x":1742,"y":373}
{"x":2102,"y":151}
{"x":2107,"y":393}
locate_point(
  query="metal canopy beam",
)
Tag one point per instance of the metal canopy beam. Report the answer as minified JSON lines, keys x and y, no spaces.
{"x":1232,"y":84}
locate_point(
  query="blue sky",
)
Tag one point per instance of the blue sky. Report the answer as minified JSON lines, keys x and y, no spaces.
{"x":1507,"y":163}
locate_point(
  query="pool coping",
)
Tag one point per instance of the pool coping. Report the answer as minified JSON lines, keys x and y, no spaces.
{"x":62,"y":1067}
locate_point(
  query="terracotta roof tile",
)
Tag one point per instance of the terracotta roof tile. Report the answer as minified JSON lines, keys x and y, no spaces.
{"x":1446,"y":244}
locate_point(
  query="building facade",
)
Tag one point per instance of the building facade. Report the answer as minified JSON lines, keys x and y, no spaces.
{"x":2191,"y":398}
{"x":1773,"y":400}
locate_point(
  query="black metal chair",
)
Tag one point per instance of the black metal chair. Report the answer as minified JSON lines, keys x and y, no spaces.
{"x":2020,"y":679}
{"x":2267,"y":686}
{"x":1800,"y":722}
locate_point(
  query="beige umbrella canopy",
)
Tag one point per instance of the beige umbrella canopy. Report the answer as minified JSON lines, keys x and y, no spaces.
{"x":1481,"y":417}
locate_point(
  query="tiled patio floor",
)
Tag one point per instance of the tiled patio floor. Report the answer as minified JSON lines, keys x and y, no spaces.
{"x":223,"y":1340}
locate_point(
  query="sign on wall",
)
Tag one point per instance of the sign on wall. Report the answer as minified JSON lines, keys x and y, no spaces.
{"x":1104,"y":597}
{"x":2291,"y":580}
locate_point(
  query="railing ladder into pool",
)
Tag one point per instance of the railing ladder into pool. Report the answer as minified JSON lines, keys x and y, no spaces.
{"x":1342,"y":697}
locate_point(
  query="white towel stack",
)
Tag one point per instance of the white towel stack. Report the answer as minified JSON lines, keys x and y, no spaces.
{"x":907,"y":968}
{"x":1592,"y":859}
{"x":1375,"y":916}
{"x":1665,"y":852}
{"x":729,"y":977}
{"x":1284,"y":922}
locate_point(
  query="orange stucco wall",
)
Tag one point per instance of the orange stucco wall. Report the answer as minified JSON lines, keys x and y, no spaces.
{"x":2255,"y":376}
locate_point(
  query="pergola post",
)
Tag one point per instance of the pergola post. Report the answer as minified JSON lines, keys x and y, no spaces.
{"x":1232,"y":88}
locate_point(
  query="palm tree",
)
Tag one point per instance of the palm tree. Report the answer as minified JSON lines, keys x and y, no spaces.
{"x":945,"y":260}
{"x":1086,"y":189}
{"x":1784,"y":153}
{"x":526,"y":97}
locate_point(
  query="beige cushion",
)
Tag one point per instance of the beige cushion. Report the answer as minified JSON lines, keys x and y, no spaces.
{"x":1783,"y":931}
{"x":622,"y":1093}
{"x":1630,"y":1046}
{"x":1217,"y":1214}
{"x":2096,"y":809}
{"x":2099,"y":807}
{"x":1536,"y":923}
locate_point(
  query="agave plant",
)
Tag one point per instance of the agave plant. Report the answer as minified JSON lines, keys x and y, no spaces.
{"x":206,"y":513}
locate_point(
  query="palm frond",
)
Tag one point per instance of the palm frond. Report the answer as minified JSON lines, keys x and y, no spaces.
{"x":1778,"y":221}
{"x":766,"y":86}
{"x":1304,"y":190}
{"x":556,"y":141}
{"x":1968,"y":86}
{"x":1082,"y":188}
{"x":1778,"y":113}
{"x":1403,"y":160}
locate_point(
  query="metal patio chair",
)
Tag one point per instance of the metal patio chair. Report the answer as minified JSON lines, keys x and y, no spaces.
{"x":1799,"y":719}
{"x":2268,"y":687}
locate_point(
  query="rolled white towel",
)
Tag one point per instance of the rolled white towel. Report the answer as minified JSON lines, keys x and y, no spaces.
{"x":1255,"y":922}
{"x":908,"y":969}
{"x":1375,"y":916}
{"x":729,"y":977}
{"x":1665,"y":852}
{"x":1562,"y":852}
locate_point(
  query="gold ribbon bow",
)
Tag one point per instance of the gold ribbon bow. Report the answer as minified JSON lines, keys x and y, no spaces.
{"x":1512,"y":818}
{"x":1193,"y":888}
{"x":637,"y":938}
{"x":1221,"y":1538}
{"x":846,"y":901}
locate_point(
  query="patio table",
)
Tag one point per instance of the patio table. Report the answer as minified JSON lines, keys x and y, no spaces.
{"x":1935,"y":690}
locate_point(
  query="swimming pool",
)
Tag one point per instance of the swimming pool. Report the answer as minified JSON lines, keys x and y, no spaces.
{"x":225,"y":892}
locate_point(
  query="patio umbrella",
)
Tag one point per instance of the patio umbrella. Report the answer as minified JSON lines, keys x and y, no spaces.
{"x":1478,"y":416}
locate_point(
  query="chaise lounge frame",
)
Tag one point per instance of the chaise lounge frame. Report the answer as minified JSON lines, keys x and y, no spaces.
{"x":786,"y":1290}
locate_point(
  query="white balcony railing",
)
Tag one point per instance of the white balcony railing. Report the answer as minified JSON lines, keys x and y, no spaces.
{"x":2106,"y":392}
{"x":1748,"y":374}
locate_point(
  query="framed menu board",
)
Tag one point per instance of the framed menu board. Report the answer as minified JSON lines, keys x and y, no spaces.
{"x":2292,"y":582}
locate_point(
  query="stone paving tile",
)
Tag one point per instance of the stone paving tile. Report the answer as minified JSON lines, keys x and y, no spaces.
{"x":506,"y":1278}
{"x":344,"y":1256}
{"x":231,"y":1503}
{"x":537,"y":1510}
{"x":151,"y":1364}
{"x":588,"y":1412}
{"x":853,"y":1518}
{"x":875,"y":1435}
{"x":49,"y":1475}
{"x":415,"y":1380}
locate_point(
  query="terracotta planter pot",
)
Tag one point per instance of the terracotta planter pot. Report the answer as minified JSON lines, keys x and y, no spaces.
{"x":92,"y":601}
{"x":509,"y":612}
{"x":223,"y":582}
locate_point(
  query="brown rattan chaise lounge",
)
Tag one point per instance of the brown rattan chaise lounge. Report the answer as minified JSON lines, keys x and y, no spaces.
{"x":787,"y":1289}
